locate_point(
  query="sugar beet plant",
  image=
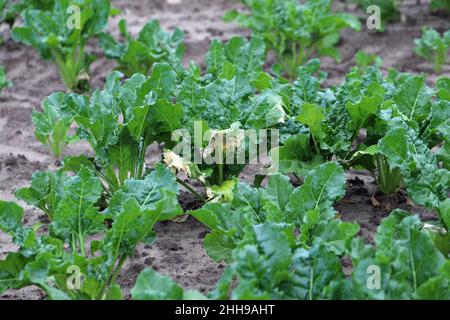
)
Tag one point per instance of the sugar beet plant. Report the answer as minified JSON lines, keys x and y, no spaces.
{"x":294,"y":31}
{"x":120,"y":122}
{"x":52,"y":126}
{"x":234,"y":94}
{"x":152,"y":45}
{"x":387,"y":126}
{"x":433,"y":47}
{"x":280,"y":241}
{"x":61,"y":35}
{"x":123,"y":119}
{"x":273,"y":263}
{"x":77,"y":240}
{"x":10,"y":10}
{"x":351,"y":122}
{"x":283,"y":242}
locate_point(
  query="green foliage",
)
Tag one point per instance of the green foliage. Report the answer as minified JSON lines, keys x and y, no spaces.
{"x":364,"y":60}
{"x":10,"y":10}
{"x":234,"y":94}
{"x":425,"y":182}
{"x":348,"y":122}
{"x":58,"y":37}
{"x":46,"y":259}
{"x":51,"y":128}
{"x":433,"y":47}
{"x":440,"y":5}
{"x":121,"y":121}
{"x":279,"y":241}
{"x":410,"y":265}
{"x":306,"y":207}
{"x":153,"y":286}
{"x":4,"y":82}
{"x":272,"y":263}
{"x":296,"y":32}
{"x":45,"y":191}
{"x":389,"y":9}
{"x":152,"y":45}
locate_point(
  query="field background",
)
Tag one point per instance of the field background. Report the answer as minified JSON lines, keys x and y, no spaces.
{"x":179,"y":251}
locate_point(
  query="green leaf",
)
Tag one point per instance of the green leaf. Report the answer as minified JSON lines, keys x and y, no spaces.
{"x":10,"y":272}
{"x":10,"y":217}
{"x":418,"y":248}
{"x":322,"y":187}
{"x":131,"y":226}
{"x":413,"y":98}
{"x":312,"y":116}
{"x":314,"y":275}
{"x":279,"y":190}
{"x":156,"y":192}
{"x":444,"y":213}
{"x":296,"y":156}
{"x":124,"y":155}
{"x":76,"y":214}
{"x":360,"y":112}
{"x":443,"y":86}
{"x":151,"y":285}
{"x":219,"y":246}
{"x":153,"y":45}
{"x":425,"y":182}
{"x":4,"y":82}
{"x":45,"y":191}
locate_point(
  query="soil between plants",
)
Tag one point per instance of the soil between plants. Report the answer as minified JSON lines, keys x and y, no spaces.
{"x":178,"y":251}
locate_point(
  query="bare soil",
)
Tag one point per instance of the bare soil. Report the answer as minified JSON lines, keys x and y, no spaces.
{"x":178,"y":251}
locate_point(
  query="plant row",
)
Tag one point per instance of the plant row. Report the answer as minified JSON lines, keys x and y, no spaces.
{"x":279,"y":241}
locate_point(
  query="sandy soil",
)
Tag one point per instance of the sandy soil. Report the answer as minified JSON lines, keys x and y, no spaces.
{"x":179,"y":251}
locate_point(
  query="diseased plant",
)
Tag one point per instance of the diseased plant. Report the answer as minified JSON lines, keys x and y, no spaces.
{"x":295,"y":31}
{"x":48,"y":259}
{"x":61,"y":35}
{"x":433,"y":47}
{"x":152,"y":45}
{"x":235,"y":94}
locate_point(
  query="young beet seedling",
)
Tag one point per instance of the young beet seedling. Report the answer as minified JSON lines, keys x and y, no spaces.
{"x":433,"y":47}
{"x":61,"y":35}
